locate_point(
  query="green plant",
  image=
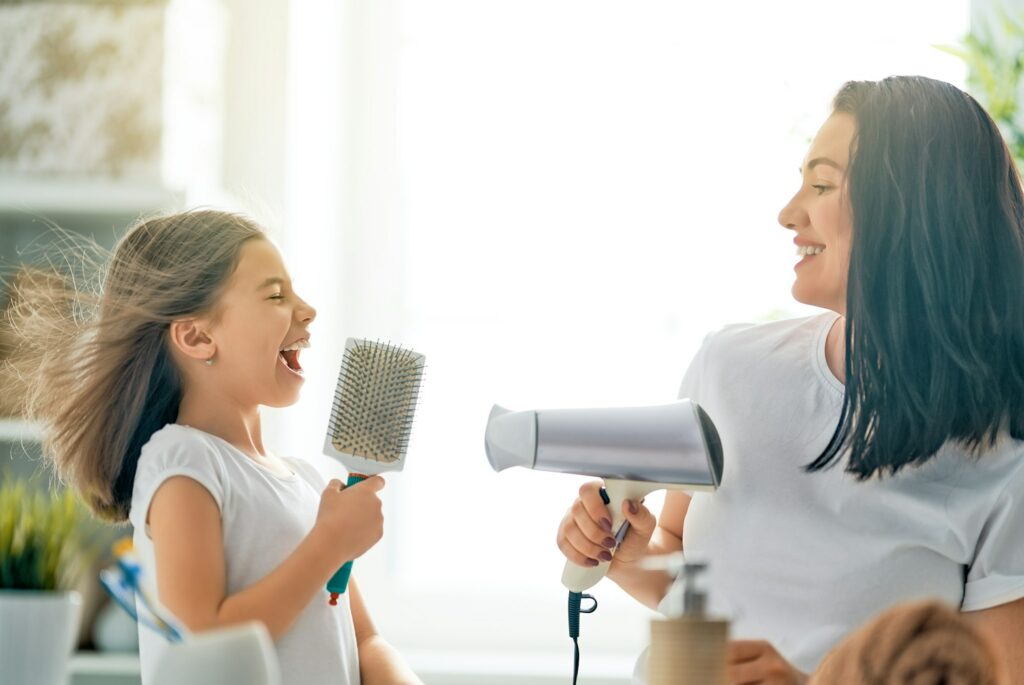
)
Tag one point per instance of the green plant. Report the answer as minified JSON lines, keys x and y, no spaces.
{"x":42,"y":538}
{"x":994,"y":55}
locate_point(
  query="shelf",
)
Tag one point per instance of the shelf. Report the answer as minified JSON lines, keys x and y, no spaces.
{"x":70,"y":195}
{"x":105,"y":663}
{"x":19,"y":430}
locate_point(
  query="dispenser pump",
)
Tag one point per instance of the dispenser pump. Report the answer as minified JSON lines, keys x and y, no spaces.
{"x":688,"y":647}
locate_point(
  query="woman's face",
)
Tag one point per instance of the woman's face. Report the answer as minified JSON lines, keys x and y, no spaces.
{"x":819,"y":216}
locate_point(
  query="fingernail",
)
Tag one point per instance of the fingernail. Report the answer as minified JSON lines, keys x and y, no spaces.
{"x":632,"y":507}
{"x":592,"y":562}
{"x":605,"y":556}
{"x":606,"y":525}
{"x":609,"y":543}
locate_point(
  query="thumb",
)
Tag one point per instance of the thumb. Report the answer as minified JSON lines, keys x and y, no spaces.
{"x":335,"y":485}
{"x":640,"y":517}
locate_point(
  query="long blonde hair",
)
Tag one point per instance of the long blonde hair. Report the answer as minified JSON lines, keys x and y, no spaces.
{"x":91,"y":360}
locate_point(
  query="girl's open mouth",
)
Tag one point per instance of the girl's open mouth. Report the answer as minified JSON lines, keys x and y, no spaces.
{"x":290,"y":360}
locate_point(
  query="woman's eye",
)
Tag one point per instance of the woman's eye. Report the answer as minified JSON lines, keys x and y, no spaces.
{"x":821,"y":188}
{"x":278,"y":296}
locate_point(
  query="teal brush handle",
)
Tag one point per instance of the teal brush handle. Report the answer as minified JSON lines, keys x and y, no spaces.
{"x":339,"y":581}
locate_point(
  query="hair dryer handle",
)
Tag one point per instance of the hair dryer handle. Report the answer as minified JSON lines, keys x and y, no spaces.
{"x":579,"y":578}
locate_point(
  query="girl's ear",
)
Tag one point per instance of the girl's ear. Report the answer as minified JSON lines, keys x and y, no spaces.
{"x":191,"y":338}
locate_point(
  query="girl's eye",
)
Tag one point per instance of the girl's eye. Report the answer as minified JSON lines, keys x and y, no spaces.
{"x":821,"y":188}
{"x":278,"y":296}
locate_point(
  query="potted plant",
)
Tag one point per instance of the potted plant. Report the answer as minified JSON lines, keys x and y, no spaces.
{"x":993,"y":52}
{"x":41,"y":556}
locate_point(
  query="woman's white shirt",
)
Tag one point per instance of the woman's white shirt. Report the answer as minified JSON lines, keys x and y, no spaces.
{"x":801,"y":559}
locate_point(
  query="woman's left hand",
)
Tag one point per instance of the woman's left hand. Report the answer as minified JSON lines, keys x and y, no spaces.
{"x":756,"y":662}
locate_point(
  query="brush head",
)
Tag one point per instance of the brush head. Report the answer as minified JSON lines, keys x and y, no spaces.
{"x":374,"y":403}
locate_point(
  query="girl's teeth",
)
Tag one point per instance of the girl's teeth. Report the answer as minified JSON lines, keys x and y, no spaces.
{"x":805,"y":250}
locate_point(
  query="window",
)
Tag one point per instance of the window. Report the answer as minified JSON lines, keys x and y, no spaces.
{"x":554,"y":201}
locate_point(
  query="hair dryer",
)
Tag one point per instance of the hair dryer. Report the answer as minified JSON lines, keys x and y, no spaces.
{"x":635,"y":449}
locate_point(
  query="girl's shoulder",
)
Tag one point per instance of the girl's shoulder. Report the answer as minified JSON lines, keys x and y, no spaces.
{"x":176,"y":444}
{"x":177,"y":450}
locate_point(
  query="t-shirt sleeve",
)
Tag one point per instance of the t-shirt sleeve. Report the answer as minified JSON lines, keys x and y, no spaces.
{"x":690,"y":387}
{"x":186,"y":457}
{"x":996,"y":575}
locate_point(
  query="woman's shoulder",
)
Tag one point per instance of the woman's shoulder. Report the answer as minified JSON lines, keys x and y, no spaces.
{"x":775,"y":334}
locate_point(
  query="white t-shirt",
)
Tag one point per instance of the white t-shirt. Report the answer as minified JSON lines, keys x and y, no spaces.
{"x":264,"y":517}
{"x":801,"y":559}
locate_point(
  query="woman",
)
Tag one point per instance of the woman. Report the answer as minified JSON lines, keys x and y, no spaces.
{"x":909,"y":222}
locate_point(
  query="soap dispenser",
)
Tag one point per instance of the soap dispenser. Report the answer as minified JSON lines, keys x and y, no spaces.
{"x":688,"y":647}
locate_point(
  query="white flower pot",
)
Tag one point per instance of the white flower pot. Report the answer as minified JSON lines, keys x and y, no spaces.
{"x":37,"y":634}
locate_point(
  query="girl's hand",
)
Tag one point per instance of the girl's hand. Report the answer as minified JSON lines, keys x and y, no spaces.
{"x":757,"y":662}
{"x":585,"y":535}
{"x":351,"y":518}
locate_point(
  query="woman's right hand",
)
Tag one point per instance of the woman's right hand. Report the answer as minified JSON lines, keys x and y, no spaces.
{"x":585,"y":535}
{"x":351,"y":518}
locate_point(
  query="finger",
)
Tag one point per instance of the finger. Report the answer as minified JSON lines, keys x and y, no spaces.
{"x":642,"y":520}
{"x":335,"y":485}
{"x":738,"y":651}
{"x":573,"y":555}
{"x":594,"y":532}
{"x":748,"y":672}
{"x":584,"y":546}
{"x":590,"y":495}
{"x":374,"y":483}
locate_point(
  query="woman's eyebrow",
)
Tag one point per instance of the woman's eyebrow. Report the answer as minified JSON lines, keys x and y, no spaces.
{"x":820,"y":160}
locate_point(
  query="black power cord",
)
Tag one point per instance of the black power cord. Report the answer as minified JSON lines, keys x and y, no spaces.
{"x":575,"y":610}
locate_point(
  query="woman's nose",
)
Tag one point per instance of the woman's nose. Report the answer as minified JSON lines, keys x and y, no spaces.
{"x":791,"y":216}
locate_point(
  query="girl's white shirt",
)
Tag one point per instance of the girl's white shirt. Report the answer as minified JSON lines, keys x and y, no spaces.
{"x":264,"y":516}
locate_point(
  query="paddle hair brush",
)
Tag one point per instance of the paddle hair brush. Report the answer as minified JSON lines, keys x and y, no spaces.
{"x":371,"y":417}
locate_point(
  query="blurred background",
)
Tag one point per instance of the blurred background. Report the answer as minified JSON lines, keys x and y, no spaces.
{"x":553,"y":200}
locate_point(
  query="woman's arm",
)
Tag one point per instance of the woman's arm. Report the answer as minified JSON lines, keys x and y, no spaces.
{"x":649,"y":587}
{"x":379,"y":662}
{"x":1004,"y":625}
{"x":185,"y":527}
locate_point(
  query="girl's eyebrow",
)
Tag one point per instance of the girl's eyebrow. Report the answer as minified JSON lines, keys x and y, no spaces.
{"x":273,"y":280}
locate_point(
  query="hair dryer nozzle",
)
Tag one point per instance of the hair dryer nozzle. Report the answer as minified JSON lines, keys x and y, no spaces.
{"x":511,"y":438}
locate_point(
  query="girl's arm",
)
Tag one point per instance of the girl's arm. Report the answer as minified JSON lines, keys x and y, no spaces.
{"x":1004,"y":626}
{"x":187,"y":538}
{"x":379,"y":662}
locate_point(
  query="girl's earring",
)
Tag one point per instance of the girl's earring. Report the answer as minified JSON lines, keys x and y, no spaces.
{"x":209,"y":362}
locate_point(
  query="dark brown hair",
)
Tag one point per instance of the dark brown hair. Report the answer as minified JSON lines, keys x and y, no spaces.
{"x":935,"y":293}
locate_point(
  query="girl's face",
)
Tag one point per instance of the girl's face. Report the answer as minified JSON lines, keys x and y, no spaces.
{"x":819,"y":214}
{"x":260,"y":315}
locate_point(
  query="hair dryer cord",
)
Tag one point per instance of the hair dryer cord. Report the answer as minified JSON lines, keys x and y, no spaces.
{"x":575,"y":598}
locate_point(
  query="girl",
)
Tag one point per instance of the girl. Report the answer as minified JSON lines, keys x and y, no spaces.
{"x":151,"y":398}
{"x":909,"y":222}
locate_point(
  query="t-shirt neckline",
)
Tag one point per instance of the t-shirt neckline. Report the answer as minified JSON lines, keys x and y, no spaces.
{"x":249,"y":460}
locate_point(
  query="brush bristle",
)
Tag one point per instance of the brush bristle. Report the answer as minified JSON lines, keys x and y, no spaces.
{"x":375,"y":400}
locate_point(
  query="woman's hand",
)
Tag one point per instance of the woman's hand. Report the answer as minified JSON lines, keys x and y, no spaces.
{"x":585,"y":535}
{"x":351,"y":518}
{"x":756,"y":662}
